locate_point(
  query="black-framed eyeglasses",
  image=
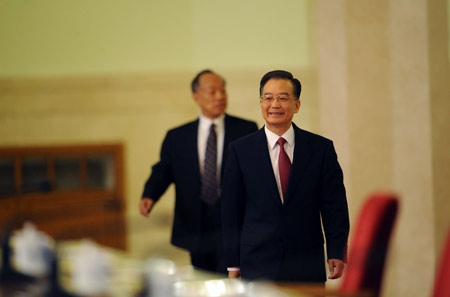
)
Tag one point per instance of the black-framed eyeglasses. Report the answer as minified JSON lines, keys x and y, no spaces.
{"x":271,"y":98}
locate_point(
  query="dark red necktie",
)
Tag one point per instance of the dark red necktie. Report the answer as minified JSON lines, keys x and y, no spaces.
{"x":284,"y":166}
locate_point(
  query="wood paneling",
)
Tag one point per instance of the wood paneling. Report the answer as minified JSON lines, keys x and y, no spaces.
{"x":68,"y":214}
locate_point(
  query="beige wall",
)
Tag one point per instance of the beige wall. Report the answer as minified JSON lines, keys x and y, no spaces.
{"x":50,"y":37}
{"x":375,"y":77}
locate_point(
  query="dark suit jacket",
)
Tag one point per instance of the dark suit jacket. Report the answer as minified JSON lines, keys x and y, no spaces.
{"x":179,"y":164}
{"x":262,"y":235}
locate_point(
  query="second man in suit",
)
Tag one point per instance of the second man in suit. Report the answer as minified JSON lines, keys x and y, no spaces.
{"x":191,"y":157}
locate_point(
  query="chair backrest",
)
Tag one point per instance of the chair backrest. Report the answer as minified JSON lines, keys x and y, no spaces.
{"x":442,"y":280}
{"x":366,"y":259}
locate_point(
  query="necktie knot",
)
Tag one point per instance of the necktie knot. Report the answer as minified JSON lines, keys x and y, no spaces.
{"x":281,"y":141}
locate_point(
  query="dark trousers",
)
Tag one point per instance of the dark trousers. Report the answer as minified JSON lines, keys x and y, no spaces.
{"x":293,"y":263}
{"x":210,"y":255}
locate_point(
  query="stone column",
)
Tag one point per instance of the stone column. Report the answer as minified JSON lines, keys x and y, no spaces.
{"x":384,"y":99}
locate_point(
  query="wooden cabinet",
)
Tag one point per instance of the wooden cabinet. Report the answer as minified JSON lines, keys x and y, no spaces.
{"x":69,"y":192}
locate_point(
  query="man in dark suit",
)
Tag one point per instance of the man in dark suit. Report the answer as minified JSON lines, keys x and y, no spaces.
{"x":191,"y":157}
{"x":277,"y":193}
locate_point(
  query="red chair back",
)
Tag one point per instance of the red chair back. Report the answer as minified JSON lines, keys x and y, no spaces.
{"x":442,"y":280}
{"x":369,"y":245}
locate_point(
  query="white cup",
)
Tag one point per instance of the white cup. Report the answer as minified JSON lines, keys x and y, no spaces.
{"x":91,"y":269}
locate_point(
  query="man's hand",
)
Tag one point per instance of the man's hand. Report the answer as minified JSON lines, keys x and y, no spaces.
{"x":145,"y":206}
{"x":234,"y":274}
{"x":336,"y":268}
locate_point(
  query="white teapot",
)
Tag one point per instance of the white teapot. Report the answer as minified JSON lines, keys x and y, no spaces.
{"x":32,"y":251}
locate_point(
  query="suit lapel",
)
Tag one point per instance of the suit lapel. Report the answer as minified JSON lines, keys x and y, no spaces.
{"x":264,"y":166}
{"x":228,"y":130}
{"x":302,"y":155}
{"x":192,"y":148}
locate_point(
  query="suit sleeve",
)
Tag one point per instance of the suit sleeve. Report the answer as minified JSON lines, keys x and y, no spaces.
{"x":233,"y":207}
{"x":161,"y":176}
{"x":334,"y":208}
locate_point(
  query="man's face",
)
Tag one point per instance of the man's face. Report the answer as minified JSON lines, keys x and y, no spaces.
{"x":278,"y":104}
{"x":211,"y":95}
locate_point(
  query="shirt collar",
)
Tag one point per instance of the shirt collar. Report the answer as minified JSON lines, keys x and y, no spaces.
{"x":206,"y":122}
{"x":272,"y":138}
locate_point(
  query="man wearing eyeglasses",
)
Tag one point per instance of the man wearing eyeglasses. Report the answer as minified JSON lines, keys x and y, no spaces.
{"x":191,"y":157}
{"x":280,"y":186}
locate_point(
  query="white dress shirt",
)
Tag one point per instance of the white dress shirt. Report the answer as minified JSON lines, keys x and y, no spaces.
{"x":203,"y":133}
{"x":274,"y":151}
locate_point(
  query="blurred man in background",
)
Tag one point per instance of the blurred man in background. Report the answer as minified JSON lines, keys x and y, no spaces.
{"x":191,"y":157}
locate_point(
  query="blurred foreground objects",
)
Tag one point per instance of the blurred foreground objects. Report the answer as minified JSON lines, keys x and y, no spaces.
{"x":34,"y":265}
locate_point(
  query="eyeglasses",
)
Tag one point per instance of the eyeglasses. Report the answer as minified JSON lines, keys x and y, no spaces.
{"x":270,"y":98}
